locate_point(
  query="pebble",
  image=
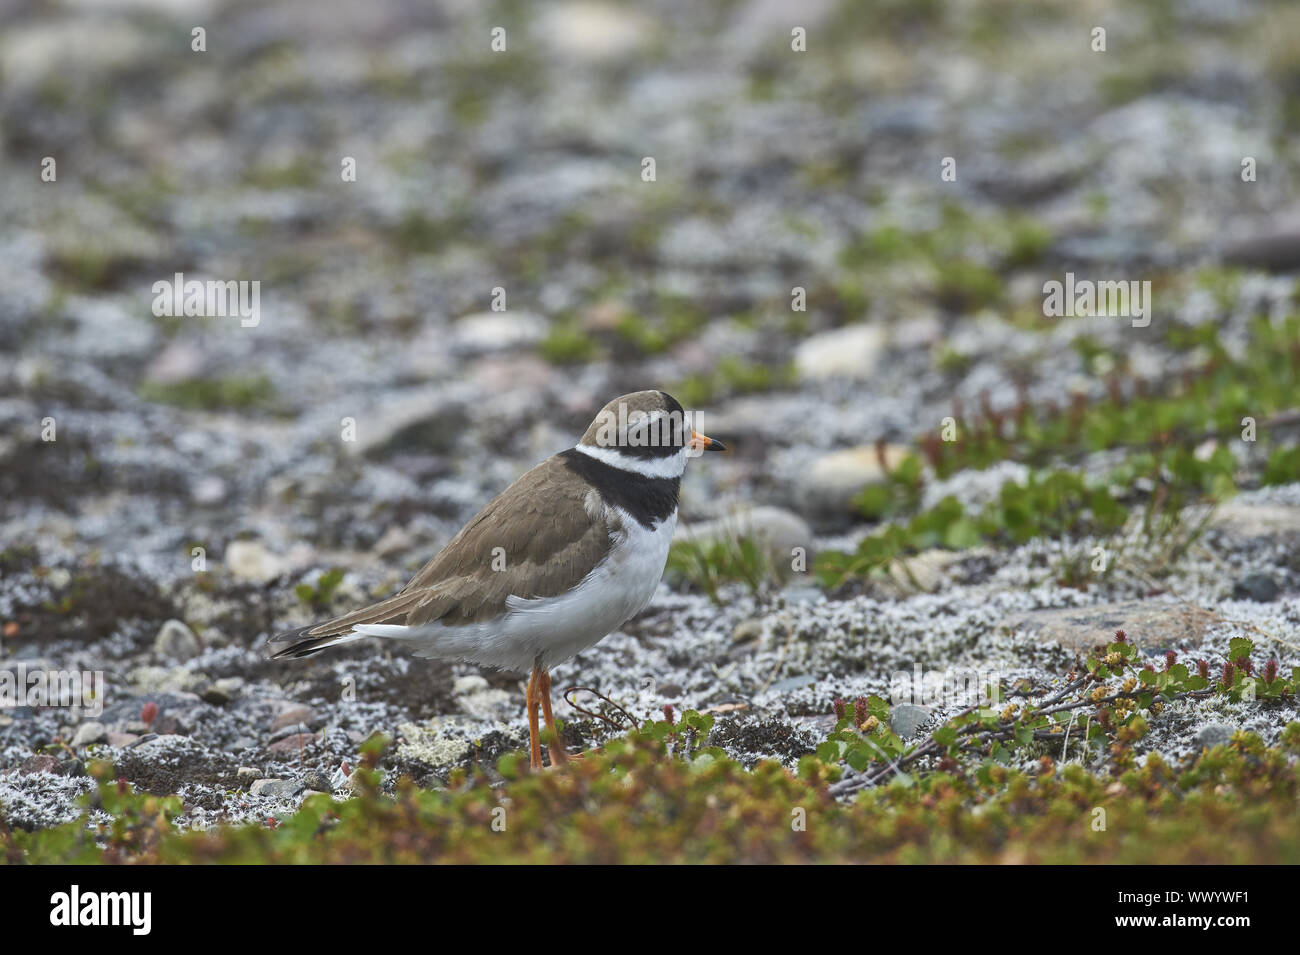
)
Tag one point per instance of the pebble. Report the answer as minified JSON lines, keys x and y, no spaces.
{"x":318,"y":781}
{"x":176,"y":641}
{"x":299,"y":714}
{"x":468,"y":684}
{"x":906,"y":719}
{"x":1259,"y":587}
{"x":829,"y":485}
{"x":40,"y":763}
{"x":91,"y":731}
{"x":249,"y":561}
{"x":850,"y":352}
{"x":293,"y":743}
{"x":1215,"y":734}
{"x":1149,"y":623}
{"x":276,"y":787}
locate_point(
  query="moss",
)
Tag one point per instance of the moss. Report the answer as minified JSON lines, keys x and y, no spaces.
{"x":233,"y":393}
{"x":568,"y":344}
{"x":732,"y":376}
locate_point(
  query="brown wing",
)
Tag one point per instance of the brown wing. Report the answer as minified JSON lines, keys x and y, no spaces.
{"x":549,"y":534}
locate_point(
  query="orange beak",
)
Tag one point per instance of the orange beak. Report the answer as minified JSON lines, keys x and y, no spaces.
{"x":702,"y":442}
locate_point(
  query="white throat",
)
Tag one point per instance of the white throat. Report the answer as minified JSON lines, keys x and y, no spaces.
{"x":669,"y":467}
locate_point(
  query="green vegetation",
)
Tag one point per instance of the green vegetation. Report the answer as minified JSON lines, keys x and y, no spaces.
{"x":661,"y":793}
{"x":1176,"y":444}
{"x":320,"y":596}
{"x":568,"y":344}
{"x":731,"y":376}
{"x":235,"y":393}
{"x":707,"y":566}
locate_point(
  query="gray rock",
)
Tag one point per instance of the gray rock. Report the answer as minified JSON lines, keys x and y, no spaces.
{"x":1259,"y":587}
{"x":317,"y":781}
{"x":827,"y":488}
{"x":222,"y":691}
{"x":176,"y":641}
{"x":40,"y":763}
{"x":469,"y":684}
{"x":792,"y":683}
{"x":276,"y":787}
{"x":850,"y":352}
{"x":293,"y":717}
{"x":1215,"y":734}
{"x":493,"y":331}
{"x":1149,"y":623}
{"x":1277,"y":249}
{"x":215,"y":695}
{"x":91,"y":731}
{"x":906,"y":719}
{"x":249,"y":561}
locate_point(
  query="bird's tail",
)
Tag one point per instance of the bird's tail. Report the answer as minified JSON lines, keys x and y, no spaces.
{"x":316,"y":637}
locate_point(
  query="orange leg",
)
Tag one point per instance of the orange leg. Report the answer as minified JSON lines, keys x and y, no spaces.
{"x":534,"y":734}
{"x":558,"y":755}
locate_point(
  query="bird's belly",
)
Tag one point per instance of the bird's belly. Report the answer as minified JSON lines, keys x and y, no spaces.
{"x":553,"y":629}
{"x":615,"y":592}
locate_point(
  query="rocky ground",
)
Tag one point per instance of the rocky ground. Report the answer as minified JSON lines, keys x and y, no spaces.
{"x":203,"y":476}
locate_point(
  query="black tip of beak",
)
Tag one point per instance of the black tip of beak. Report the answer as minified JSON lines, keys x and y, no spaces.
{"x":715,"y":445}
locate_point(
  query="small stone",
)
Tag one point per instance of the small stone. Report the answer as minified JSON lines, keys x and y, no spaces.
{"x":792,"y":683}
{"x":89,"y":732}
{"x":40,"y":763}
{"x":906,"y":720}
{"x":276,"y":787}
{"x":293,"y":716}
{"x":468,"y":684}
{"x":317,"y":781}
{"x":850,"y":352}
{"x":1151,"y":623}
{"x":121,"y":739}
{"x":209,"y":489}
{"x":1259,"y":587}
{"x":832,"y":481}
{"x":747,"y":631}
{"x":291,"y":744}
{"x":176,"y":641}
{"x":395,"y":540}
{"x":354,"y":786}
{"x":216,"y":695}
{"x":72,"y":767}
{"x":250,"y":561}
{"x":1215,"y":734}
{"x":496,"y":331}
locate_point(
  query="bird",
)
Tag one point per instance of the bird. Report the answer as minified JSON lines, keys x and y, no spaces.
{"x":559,"y":560}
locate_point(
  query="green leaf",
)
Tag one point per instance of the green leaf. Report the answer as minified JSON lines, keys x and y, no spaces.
{"x":945,"y":736}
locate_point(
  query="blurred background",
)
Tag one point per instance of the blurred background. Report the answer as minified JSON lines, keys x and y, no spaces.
{"x":522,"y":170}
{"x":775,"y":169}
